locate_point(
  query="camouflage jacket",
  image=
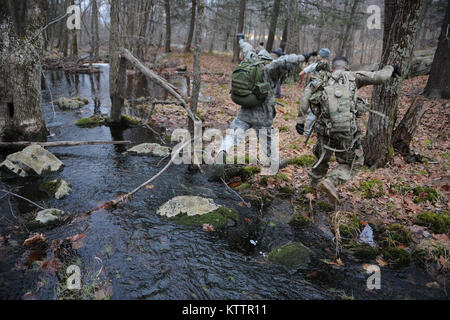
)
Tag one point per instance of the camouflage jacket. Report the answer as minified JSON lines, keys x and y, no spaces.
{"x":263,"y":116}
{"x":362,"y":78}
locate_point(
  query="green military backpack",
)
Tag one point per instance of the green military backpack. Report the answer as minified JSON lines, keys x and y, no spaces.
{"x":248,"y":88}
{"x":334,"y":99}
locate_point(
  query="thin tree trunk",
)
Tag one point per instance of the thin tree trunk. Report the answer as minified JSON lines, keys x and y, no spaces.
{"x":168,"y":26}
{"x":273,"y":25}
{"x":94,"y":30}
{"x":242,"y":5}
{"x":191,"y":27}
{"x":438,"y":85}
{"x":117,"y":71}
{"x":399,"y":35}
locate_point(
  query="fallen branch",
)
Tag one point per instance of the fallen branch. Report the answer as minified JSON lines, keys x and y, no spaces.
{"x":59,"y":143}
{"x":158,"y":80}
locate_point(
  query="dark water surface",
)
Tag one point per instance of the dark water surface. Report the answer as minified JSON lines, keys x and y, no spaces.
{"x":142,"y":255}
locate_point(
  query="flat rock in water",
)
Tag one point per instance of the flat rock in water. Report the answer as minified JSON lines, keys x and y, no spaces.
{"x":48,"y":215}
{"x":189,"y":205}
{"x":151,"y":149}
{"x":71,"y":103}
{"x":33,"y":160}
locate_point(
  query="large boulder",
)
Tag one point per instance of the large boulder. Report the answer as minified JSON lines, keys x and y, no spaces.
{"x":150,"y":149}
{"x":57,"y":188}
{"x":197,"y":211}
{"x":33,"y":160}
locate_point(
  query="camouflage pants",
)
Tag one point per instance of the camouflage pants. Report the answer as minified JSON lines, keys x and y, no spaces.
{"x":349,"y":162}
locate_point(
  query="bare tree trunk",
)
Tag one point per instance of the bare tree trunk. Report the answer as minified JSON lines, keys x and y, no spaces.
{"x":21,"y":116}
{"x":438,"y":85}
{"x":348,"y":28}
{"x":242,"y":5}
{"x":399,"y":35}
{"x":273,"y":25}
{"x":94,"y":30}
{"x":117,"y":71}
{"x":404,"y":132}
{"x":168,"y":26}
{"x":191,"y":27}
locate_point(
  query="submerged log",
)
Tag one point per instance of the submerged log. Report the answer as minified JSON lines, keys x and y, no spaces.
{"x":60,"y":143}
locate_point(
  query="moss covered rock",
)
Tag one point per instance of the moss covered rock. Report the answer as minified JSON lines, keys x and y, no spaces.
{"x":325,"y":206}
{"x":438,"y":222}
{"x":150,"y":149}
{"x":58,"y":188}
{"x":91,"y":122}
{"x":294,"y":255}
{"x":196,"y":211}
{"x":397,"y":257}
{"x":71,"y":103}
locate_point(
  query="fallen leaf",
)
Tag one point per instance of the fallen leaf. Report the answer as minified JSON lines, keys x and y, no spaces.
{"x":381,"y":262}
{"x":208,"y":228}
{"x":149,"y":186}
{"x":34,"y":240}
{"x":77,"y":240}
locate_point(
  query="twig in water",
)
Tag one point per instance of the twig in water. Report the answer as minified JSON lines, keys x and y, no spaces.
{"x":23,"y":198}
{"x":228,"y":187}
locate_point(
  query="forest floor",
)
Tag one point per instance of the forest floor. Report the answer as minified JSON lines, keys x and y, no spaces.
{"x":394,"y":194}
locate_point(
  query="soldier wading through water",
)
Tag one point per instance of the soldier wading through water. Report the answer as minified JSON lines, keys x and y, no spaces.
{"x":332,"y":97}
{"x":253,"y":87}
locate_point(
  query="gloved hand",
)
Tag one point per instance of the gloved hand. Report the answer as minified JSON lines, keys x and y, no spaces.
{"x":309,"y":55}
{"x":397,"y":71}
{"x":240,"y":36}
{"x":300,"y":127}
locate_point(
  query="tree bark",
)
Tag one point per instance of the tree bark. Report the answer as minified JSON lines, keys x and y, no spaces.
{"x":168,"y":26}
{"x":400,"y":24}
{"x":191,"y":27}
{"x":94,"y":30}
{"x":242,"y":6}
{"x":117,"y":70}
{"x":438,"y":85}
{"x":404,"y":132}
{"x":273,"y":25}
{"x":21,"y":116}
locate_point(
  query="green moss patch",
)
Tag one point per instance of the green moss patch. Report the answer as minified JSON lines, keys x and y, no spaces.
{"x":303,"y":161}
{"x":365,"y":252}
{"x":397,"y":257}
{"x":395,"y":234}
{"x":424,"y":194}
{"x":278,"y":177}
{"x":293,"y":255}
{"x":130,"y":121}
{"x":286,"y":191}
{"x":93,"y":121}
{"x":299,"y":221}
{"x":350,"y":226}
{"x":242,"y":187}
{"x":437,"y":222}
{"x":325,"y":206}
{"x":283,"y":129}
{"x":50,"y":187}
{"x":371,"y":189}
{"x":217,"y":218}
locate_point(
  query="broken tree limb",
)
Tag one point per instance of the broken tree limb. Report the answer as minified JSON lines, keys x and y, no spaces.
{"x":158,"y":80}
{"x":59,"y":143}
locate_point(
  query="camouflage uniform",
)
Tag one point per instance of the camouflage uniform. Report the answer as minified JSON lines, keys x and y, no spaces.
{"x":347,"y":149}
{"x":261,"y":118}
